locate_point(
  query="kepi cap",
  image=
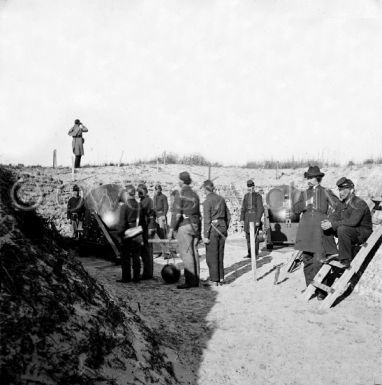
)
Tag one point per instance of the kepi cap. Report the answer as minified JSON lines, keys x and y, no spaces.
{"x":208,"y":184}
{"x":185,"y":177}
{"x":250,"y":183}
{"x":344,"y":183}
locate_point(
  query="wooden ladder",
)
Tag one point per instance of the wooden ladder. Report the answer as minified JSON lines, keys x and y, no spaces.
{"x":340,"y":286}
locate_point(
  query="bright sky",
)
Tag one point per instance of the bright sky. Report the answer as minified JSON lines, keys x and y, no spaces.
{"x":234,"y":80}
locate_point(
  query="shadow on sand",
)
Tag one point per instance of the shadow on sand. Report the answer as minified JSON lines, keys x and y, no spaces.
{"x":179,"y":318}
{"x":235,"y":271}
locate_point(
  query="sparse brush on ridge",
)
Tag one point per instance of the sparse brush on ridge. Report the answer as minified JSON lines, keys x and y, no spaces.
{"x":373,"y":161}
{"x":172,"y":158}
{"x":292,"y":163}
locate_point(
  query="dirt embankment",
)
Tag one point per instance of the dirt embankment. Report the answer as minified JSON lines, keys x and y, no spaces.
{"x":58,"y":324}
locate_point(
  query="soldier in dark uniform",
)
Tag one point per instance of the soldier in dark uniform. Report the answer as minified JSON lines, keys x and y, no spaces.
{"x":131,"y":247}
{"x":188,"y":227}
{"x":315,"y":204}
{"x":351,"y":221}
{"x":216,"y":218}
{"x":76,"y":212}
{"x":252,"y":210}
{"x":161,"y":208}
{"x":173,"y":198}
{"x":147,"y":221}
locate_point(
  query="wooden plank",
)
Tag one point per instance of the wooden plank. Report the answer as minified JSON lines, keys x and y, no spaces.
{"x":320,"y":276}
{"x":296,"y":255}
{"x":72,"y":167}
{"x":366,"y":248}
{"x":54,"y":158}
{"x":107,"y":236}
{"x":166,"y":241}
{"x":341,"y":285}
{"x":323,"y":287}
{"x":252,"y":236}
{"x":337,"y":264}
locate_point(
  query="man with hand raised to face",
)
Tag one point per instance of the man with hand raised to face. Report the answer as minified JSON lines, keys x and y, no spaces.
{"x":315,"y":204}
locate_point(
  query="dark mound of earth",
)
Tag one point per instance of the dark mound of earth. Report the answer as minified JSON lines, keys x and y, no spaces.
{"x":58,"y":324}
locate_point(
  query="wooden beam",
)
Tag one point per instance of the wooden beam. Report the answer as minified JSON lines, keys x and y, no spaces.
{"x":291,"y":263}
{"x":72,"y":167}
{"x":320,"y":276}
{"x":336,"y":264}
{"x":54,"y":158}
{"x":341,"y":285}
{"x":107,"y":235}
{"x":323,"y":287}
{"x":252,"y":236}
{"x":168,"y":241}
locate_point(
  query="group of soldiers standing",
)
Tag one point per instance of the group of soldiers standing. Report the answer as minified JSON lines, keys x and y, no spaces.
{"x":323,"y":216}
{"x":185,"y":227}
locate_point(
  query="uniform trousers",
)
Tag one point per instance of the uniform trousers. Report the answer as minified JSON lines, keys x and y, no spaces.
{"x":187,"y":242}
{"x":77,"y":227}
{"x":215,"y":254}
{"x":147,"y":257}
{"x":162,"y":227}
{"x":312,"y":265}
{"x":130,"y":258}
{"x":77,"y":161}
{"x":347,"y":238}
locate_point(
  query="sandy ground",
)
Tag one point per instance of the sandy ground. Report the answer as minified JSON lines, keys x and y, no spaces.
{"x":255,"y":332}
{"x":244,"y":332}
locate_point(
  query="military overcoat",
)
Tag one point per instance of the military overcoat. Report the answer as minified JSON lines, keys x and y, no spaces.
{"x":252,"y":209}
{"x":310,"y":237}
{"x":78,"y":141}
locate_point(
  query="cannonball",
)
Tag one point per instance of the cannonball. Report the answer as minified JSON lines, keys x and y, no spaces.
{"x":170,"y":273}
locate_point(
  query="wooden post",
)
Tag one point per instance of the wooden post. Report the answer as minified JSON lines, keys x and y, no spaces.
{"x":120,"y":159}
{"x":253,"y":248}
{"x":72,"y":167}
{"x":54,"y":158}
{"x":107,"y":236}
{"x":209,"y":172}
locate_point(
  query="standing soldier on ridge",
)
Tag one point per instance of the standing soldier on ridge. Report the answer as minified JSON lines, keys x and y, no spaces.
{"x":216,"y":222}
{"x":252,"y":210}
{"x":78,"y":141}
